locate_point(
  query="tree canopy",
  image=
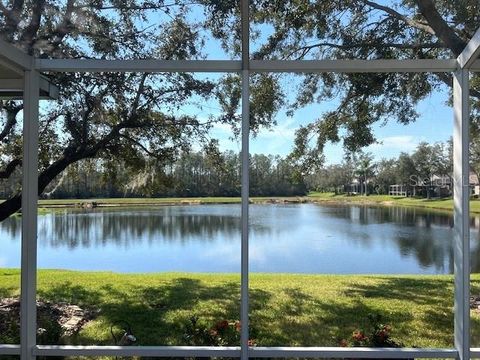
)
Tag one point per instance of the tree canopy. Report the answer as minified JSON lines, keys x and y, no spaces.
{"x":362,"y":29}
{"x":136,"y":116}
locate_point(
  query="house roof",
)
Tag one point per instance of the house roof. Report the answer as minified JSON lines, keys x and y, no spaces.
{"x":13,"y":64}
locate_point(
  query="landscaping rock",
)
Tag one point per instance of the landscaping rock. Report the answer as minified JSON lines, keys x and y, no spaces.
{"x":55,"y":320}
{"x":475,"y":303}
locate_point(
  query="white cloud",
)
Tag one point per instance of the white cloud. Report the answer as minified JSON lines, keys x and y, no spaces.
{"x":405,"y":143}
{"x":277,"y":140}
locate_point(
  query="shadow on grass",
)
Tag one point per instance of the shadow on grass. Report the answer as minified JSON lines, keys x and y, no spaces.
{"x":431,"y":300}
{"x":157,"y":314}
{"x":418,"y":309}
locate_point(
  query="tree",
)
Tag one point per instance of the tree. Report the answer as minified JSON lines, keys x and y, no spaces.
{"x":364,"y":170}
{"x":333,"y":178}
{"x":406,"y":172}
{"x":426,"y":162}
{"x":360,"y":29}
{"x":387,"y":174}
{"x":113,"y":115}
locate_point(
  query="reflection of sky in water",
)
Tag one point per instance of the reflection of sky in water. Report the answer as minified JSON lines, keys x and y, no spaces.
{"x":283,"y":238}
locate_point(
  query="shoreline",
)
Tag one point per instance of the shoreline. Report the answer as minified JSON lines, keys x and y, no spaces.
{"x":440,"y":205}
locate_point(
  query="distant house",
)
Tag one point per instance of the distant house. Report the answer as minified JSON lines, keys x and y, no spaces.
{"x":357,"y":187}
{"x":398,"y":190}
{"x":437,"y":187}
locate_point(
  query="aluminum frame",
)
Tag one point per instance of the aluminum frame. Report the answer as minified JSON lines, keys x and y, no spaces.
{"x":29,"y":350}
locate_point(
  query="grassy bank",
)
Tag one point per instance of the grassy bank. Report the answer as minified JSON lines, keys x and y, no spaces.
{"x":314,"y":197}
{"x":434,"y":204}
{"x":285,"y":309}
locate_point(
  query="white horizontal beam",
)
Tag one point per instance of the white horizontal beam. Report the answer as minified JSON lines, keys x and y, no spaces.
{"x":353,"y":66}
{"x":470,"y":54}
{"x":15,"y":56}
{"x":152,"y":351}
{"x":9,"y":349}
{"x":475,"y":353}
{"x":88,"y":65}
{"x":344,"y":352}
{"x":261,"y":352}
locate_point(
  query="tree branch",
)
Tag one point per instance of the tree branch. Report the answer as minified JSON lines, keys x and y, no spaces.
{"x":440,"y":27}
{"x":11,"y":120}
{"x":405,"y":19}
{"x":12,"y":16}
{"x":305,"y":49}
{"x":10,"y":168}
{"x":31,"y":30}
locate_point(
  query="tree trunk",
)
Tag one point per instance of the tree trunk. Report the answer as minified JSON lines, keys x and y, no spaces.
{"x":12,"y":205}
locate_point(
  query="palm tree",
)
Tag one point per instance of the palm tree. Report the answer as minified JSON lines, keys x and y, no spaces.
{"x":364,"y":169}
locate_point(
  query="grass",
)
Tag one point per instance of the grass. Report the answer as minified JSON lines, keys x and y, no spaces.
{"x":51,"y":205}
{"x":286,"y":309}
{"x":445,"y":204}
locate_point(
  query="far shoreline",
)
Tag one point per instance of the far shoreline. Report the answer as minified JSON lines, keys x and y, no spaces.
{"x":444,"y":204}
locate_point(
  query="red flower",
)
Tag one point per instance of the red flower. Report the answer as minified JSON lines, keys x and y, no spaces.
{"x":359,"y":336}
{"x":238,"y":326}
{"x":343,"y":343}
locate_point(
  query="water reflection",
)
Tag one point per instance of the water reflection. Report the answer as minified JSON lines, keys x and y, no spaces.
{"x":284,"y":238}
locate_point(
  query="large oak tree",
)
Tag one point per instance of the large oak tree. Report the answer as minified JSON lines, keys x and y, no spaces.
{"x":133,"y":115}
{"x":113,"y":115}
{"x":359,"y":29}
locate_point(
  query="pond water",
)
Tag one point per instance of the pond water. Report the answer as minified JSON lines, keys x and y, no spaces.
{"x":300,"y":238}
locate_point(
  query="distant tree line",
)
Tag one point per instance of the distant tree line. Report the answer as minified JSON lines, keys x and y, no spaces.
{"x":208,"y":173}
{"x":214,"y":173}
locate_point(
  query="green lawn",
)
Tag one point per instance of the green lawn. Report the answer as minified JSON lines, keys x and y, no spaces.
{"x":436,"y":204}
{"x":46,"y":206}
{"x":308,"y":310}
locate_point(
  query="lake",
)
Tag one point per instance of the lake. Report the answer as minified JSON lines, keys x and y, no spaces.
{"x":297,"y":238}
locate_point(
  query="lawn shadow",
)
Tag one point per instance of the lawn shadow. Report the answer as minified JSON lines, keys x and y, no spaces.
{"x":298,"y":318}
{"x":301,"y":319}
{"x":416,"y":290}
{"x":157,"y":314}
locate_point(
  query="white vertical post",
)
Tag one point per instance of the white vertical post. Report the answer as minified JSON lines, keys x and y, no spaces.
{"x":461,"y":197}
{"x":244,"y":308}
{"x":28,"y":314}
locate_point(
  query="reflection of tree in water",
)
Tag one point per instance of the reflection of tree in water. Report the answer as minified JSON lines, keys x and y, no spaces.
{"x":367,"y":215}
{"x":425,"y":236}
{"x":128,"y":228}
{"x":430,"y":248}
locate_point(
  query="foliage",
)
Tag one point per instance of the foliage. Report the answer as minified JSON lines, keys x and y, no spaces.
{"x":124,"y":119}
{"x":223,"y":333}
{"x":377,"y":334}
{"x":358,"y":29}
{"x":428,"y":165}
{"x":193,"y":174}
{"x":128,"y":118}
